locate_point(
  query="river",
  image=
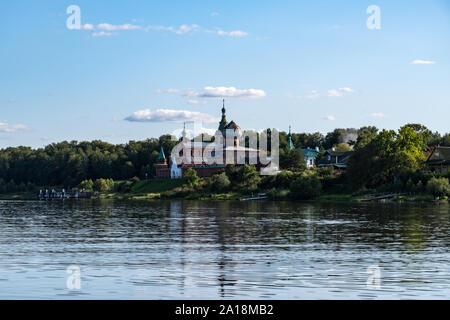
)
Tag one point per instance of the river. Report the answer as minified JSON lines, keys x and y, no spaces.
{"x":106,"y":249}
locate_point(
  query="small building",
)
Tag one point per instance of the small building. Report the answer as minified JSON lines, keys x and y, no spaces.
{"x":162,"y":170}
{"x":438,"y":159}
{"x":310,"y":157}
{"x":335,"y":159}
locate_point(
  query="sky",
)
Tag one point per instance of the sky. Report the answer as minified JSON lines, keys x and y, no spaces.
{"x":139,"y":69}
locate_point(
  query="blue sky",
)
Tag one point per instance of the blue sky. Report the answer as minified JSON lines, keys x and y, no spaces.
{"x":138,"y":69}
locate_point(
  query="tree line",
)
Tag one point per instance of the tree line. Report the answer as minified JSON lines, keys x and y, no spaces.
{"x":67,"y":164}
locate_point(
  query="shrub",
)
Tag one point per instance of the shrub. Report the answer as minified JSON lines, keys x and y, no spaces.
{"x":123,"y":186}
{"x":293,"y":160}
{"x":103,"y":185}
{"x":438,"y":187}
{"x":250,"y":177}
{"x":284,"y":179}
{"x":86,"y":185}
{"x":135,"y":180}
{"x":306,"y":186}
{"x":245,"y":177}
{"x":191,"y":177}
{"x":234,"y":174}
{"x":220,"y":182}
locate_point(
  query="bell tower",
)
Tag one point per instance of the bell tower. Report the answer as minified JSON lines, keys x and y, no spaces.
{"x":223,"y":121}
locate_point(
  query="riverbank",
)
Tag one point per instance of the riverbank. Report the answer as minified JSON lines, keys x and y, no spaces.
{"x":179,"y":189}
{"x":175,"y":195}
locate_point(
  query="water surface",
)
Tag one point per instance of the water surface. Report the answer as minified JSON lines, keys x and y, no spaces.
{"x":231,"y":250}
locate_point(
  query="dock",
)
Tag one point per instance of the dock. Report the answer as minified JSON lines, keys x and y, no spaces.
{"x":261,"y":196}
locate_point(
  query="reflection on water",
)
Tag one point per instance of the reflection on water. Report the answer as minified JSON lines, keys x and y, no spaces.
{"x":236,"y":250}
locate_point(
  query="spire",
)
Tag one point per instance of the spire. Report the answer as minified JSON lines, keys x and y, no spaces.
{"x":223,"y":121}
{"x":161,"y":155}
{"x":290,"y":144}
{"x":183,"y":133}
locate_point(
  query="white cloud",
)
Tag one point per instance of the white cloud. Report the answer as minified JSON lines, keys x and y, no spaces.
{"x":111,"y":27}
{"x":339,"y":92}
{"x":88,"y":26}
{"x":236,"y":33}
{"x":168,"y":115}
{"x":6,"y":127}
{"x":346,"y":89}
{"x":418,"y":61}
{"x":334,"y":93}
{"x":378,"y":115}
{"x":105,"y":29}
{"x":180,"y":30}
{"x":170,"y":90}
{"x":330,"y":117}
{"x":183,"y":29}
{"x":186,"y":28}
{"x":103,"y":34}
{"x":227,"y":92}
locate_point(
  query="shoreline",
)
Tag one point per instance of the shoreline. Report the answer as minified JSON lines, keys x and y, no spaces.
{"x":324,"y":198}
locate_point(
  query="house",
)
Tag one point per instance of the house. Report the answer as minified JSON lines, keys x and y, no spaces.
{"x":438,"y":159}
{"x":335,"y":159}
{"x":309,"y":154}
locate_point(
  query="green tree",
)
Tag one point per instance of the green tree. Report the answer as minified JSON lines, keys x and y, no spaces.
{"x":365,"y":135}
{"x":445,"y":141}
{"x":438,"y":187}
{"x":86,"y":185}
{"x":191,"y":177}
{"x":343,"y":147}
{"x":340,"y":135}
{"x":306,"y":186}
{"x":103,"y":185}
{"x":250,"y":177}
{"x":292,"y":160}
{"x":128,"y":169}
{"x":220,"y":182}
{"x":387,"y":156}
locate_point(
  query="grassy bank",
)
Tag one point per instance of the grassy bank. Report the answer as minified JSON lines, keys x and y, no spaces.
{"x":18,"y":196}
{"x":177,"y":189}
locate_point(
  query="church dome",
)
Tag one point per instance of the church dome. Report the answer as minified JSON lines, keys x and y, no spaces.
{"x":233,"y":126}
